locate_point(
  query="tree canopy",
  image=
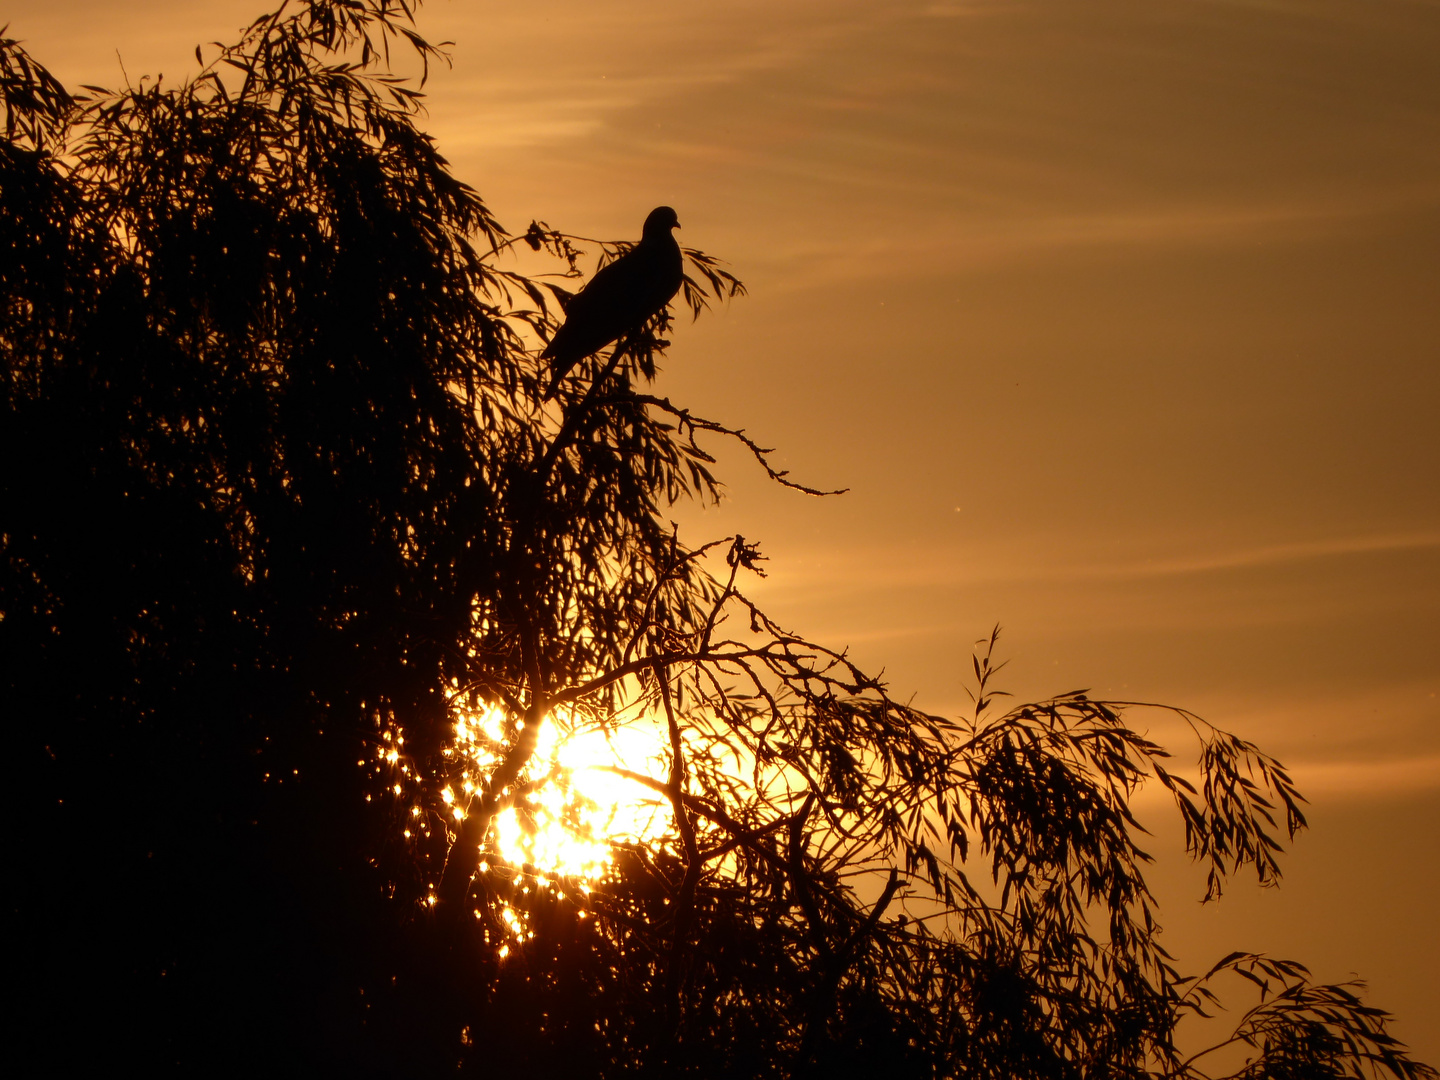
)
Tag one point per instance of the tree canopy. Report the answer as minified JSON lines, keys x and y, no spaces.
{"x":305,"y":581}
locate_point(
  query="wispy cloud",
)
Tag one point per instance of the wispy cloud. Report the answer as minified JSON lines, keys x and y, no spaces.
{"x":1018,"y":561}
{"x":1392,"y":777}
{"x":1276,"y":554}
{"x":1329,"y":781}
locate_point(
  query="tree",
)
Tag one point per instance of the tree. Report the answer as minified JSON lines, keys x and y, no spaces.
{"x":300,"y":565}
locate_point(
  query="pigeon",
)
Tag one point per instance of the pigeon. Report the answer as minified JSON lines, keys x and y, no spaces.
{"x":621,"y":298}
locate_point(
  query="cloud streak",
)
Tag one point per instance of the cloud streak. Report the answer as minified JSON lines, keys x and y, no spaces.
{"x":884,"y":567}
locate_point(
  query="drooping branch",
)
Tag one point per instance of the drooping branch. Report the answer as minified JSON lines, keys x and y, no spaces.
{"x":690,"y":424}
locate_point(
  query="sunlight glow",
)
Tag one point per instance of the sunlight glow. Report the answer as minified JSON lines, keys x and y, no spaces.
{"x":572,"y":808}
{"x":563,"y":826}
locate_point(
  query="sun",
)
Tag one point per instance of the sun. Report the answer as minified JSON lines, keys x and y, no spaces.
{"x":576,"y":806}
{"x":575,"y":809}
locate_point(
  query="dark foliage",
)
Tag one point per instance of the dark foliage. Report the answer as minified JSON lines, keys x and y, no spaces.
{"x":296,"y":566}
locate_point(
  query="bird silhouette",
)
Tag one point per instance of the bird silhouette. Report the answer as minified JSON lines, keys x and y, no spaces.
{"x":620,"y":298}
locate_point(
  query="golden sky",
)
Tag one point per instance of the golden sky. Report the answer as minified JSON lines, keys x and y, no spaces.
{"x":1121,"y":319}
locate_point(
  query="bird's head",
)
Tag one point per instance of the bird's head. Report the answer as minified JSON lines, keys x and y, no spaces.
{"x":658,"y":225}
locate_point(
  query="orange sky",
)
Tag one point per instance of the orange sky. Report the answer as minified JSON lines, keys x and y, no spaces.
{"x":1120,"y":319}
